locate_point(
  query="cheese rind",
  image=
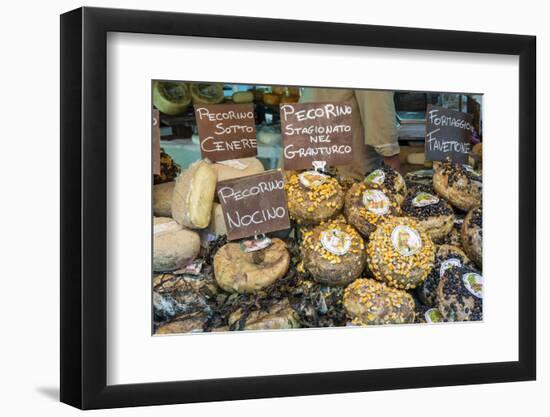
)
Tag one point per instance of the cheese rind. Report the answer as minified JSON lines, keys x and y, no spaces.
{"x":162,"y":199}
{"x":173,"y":246}
{"x":237,"y":168}
{"x":217,"y":221}
{"x":193,"y":196}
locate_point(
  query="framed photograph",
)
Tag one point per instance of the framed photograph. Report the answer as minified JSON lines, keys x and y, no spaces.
{"x":256,"y":208}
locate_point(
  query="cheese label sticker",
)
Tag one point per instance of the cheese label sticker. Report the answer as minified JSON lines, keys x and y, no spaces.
{"x":424,"y":199}
{"x":312,"y":179}
{"x":473,"y":283}
{"x":376,"y":177}
{"x":433,"y":316}
{"x":336,"y":241}
{"x":405,"y":240}
{"x":376,"y":202}
{"x":448,"y":263}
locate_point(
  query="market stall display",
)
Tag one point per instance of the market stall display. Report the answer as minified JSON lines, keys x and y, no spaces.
{"x":369,"y":302}
{"x":240,"y":245}
{"x":313,"y":197}
{"x":472,"y":235}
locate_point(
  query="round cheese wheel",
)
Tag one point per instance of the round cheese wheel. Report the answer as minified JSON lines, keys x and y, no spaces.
{"x":193,"y":195}
{"x":277,"y":316}
{"x":472,"y":235}
{"x":460,"y":294}
{"x":313,"y":197}
{"x":369,"y":302}
{"x":170,"y":97}
{"x":207,"y":93}
{"x":162,"y":199}
{"x":400,"y":253}
{"x":173,"y":246}
{"x":246,"y":272}
{"x":241,"y":97}
{"x":334,"y":253}
{"x":433,"y":213}
{"x":237,"y":168}
{"x":217,"y":221}
{"x":445,"y":257}
{"x":459,"y":185}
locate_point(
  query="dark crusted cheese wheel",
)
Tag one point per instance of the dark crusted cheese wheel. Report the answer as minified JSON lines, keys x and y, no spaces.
{"x":434,"y":214}
{"x":454,"y":238}
{"x":459,"y":184}
{"x":318,"y":305}
{"x":174,"y":295}
{"x":246,"y":272}
{"x":445,"y":257}
{"x":472,"y":235}
{"x":277,"y":316}
{"x":460,"y":294}
{"x":369,"y":302}
{"x":333,"y":253}
{"x":390,"y":180}
{"x":313,"y":197}
{"x":169,"y":170}
{"x":366,"y":206}
{"x":400,"y":253}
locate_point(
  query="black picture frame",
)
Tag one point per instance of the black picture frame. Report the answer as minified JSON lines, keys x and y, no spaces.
{"x":84,"y":207}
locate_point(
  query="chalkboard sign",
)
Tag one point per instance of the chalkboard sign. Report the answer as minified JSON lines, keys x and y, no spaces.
{"x":447,"y":134}
{"x":316,"y":132}
{"x":156,"y":142}
{"x":254,"y":205}
{"x":226,"y":131}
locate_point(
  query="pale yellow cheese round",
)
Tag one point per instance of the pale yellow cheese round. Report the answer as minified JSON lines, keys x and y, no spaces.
{"x":237,"y":168}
